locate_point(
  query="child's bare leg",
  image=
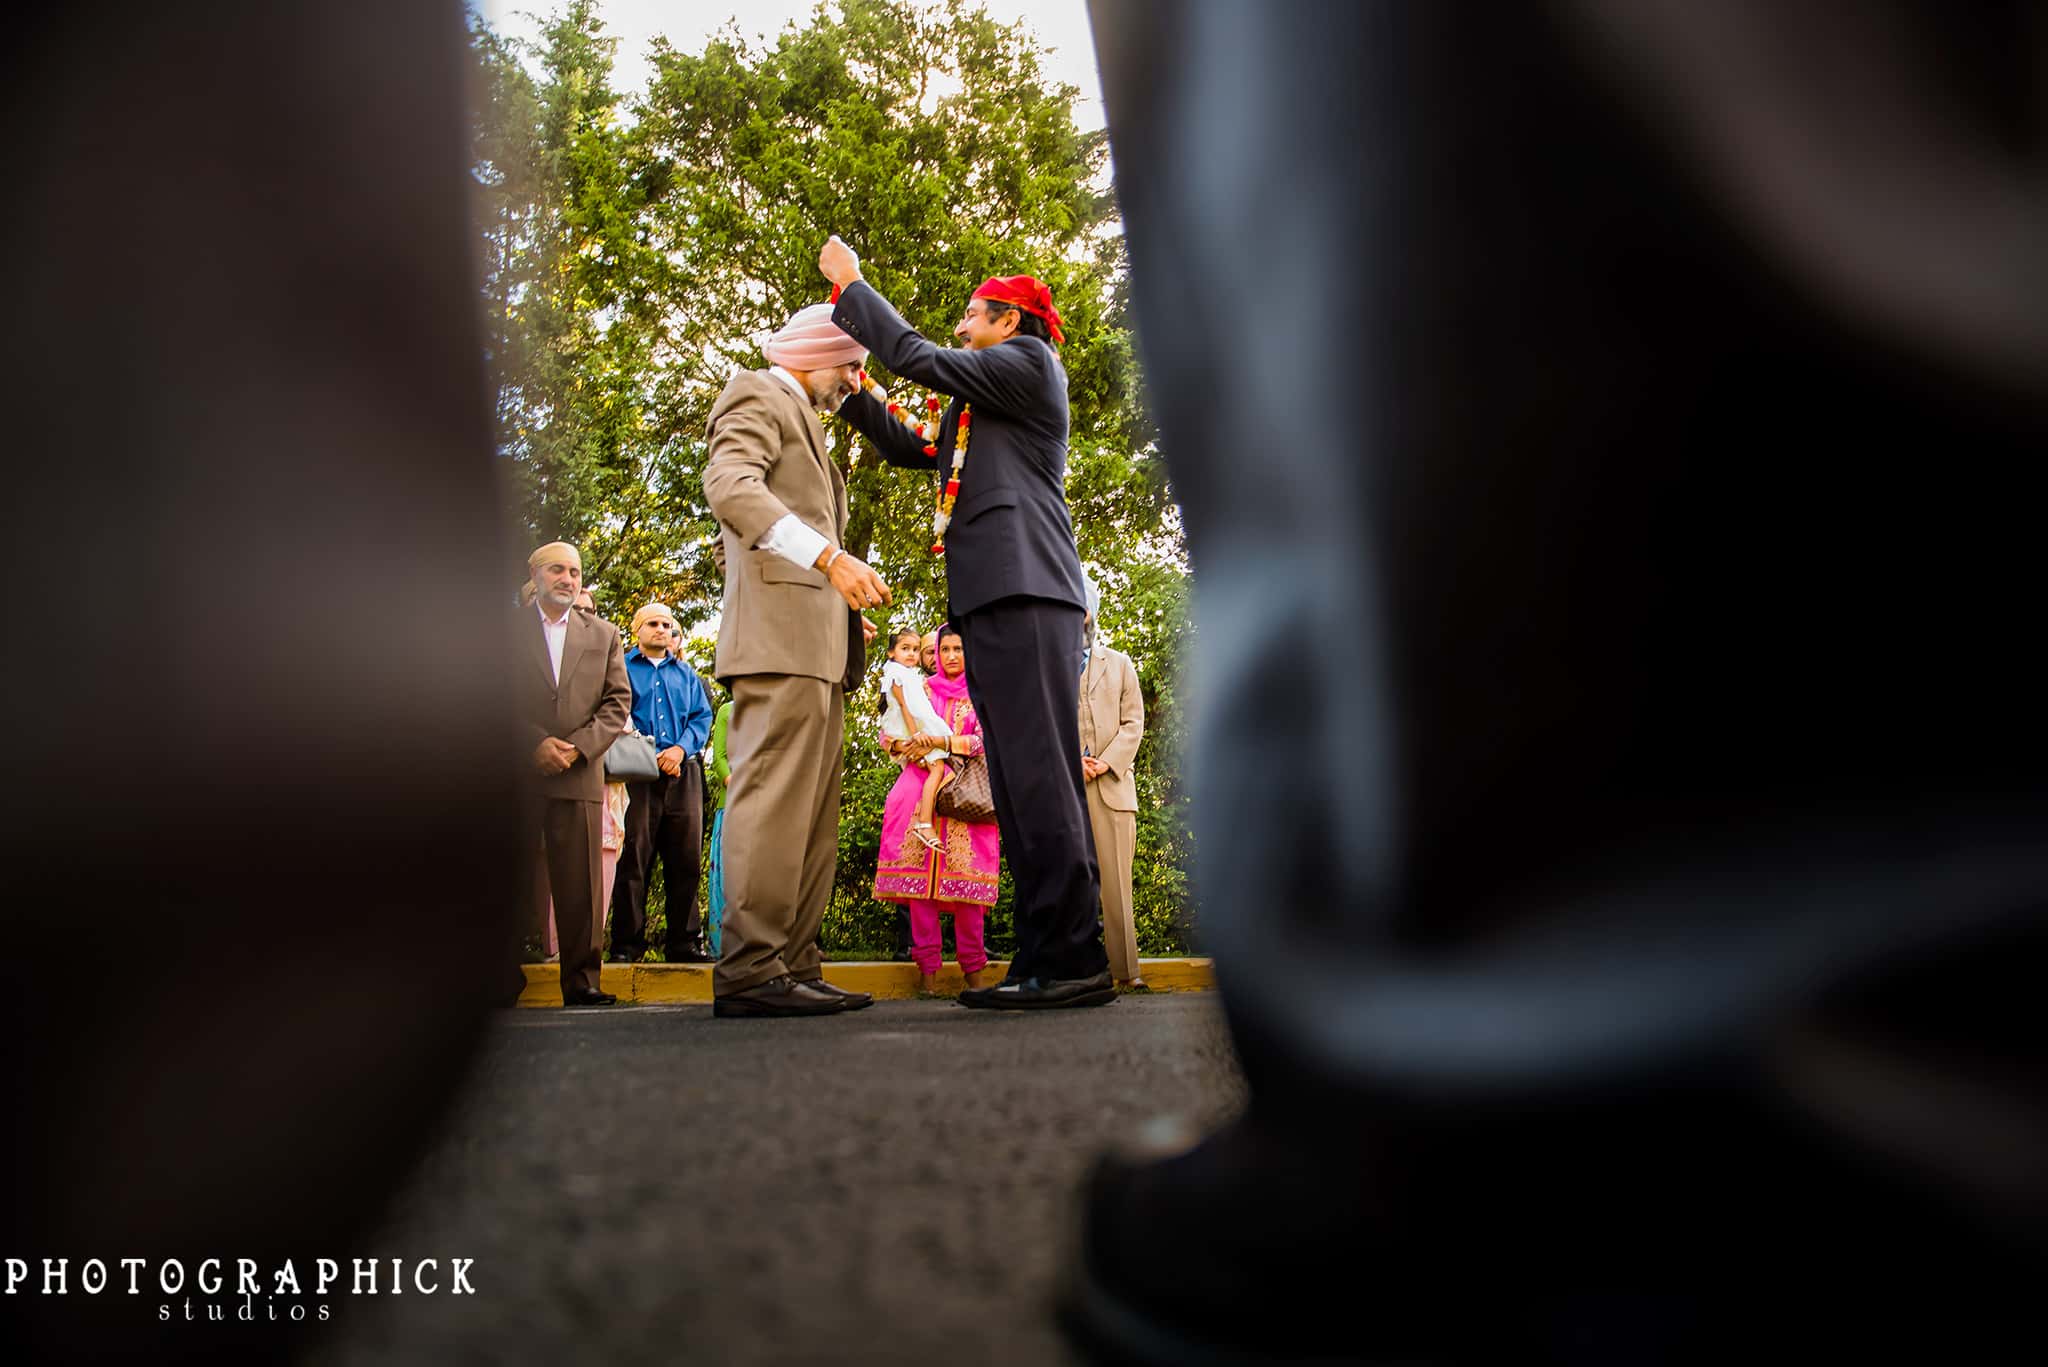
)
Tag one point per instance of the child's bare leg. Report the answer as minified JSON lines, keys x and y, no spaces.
{"x":927,"y":803}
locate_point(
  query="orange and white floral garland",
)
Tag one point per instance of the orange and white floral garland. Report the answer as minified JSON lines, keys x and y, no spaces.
{"x":943,"y":518}
{"x":928,"y":433}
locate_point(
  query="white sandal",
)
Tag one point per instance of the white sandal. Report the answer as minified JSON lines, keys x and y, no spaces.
{"x":923,"y":830}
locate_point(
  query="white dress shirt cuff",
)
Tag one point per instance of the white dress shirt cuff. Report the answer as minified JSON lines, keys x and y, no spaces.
{"x":795,"y":542}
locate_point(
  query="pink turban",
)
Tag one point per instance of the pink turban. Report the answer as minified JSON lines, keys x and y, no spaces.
{"x":811,"y":341}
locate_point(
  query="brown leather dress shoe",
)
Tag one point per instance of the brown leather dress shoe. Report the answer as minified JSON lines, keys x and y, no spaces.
{"x":854,"y":1000}
{"x":779,"y":996}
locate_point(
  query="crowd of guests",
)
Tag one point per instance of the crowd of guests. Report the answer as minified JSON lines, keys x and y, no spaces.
{"x":1042,"y":768}
{"x":931,"y":862}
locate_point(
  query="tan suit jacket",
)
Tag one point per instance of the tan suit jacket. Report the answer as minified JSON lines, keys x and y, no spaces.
{"x":589,"y":708}
{"x":767,"y":459}
{"x":1112,"y":723}
{"x":787,"y":645}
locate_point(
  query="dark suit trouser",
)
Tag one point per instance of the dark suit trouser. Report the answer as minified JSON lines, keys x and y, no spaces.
{"x":407,"y":873}
{"x":1563,"y":467}
{"x":567,"y":869}
{"x":664,"y":820}
{"x":1024,"y":674}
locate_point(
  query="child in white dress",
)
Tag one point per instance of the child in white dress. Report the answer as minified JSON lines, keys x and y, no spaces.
{"x":907,"y":711}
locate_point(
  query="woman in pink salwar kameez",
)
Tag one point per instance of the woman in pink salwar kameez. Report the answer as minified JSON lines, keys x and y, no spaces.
{"x":959,"y":877}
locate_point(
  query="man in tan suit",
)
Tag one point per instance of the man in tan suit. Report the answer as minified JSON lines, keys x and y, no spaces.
{"x":1112,"y":724}
{"x":573,"y":700}
{"x":790,"y":641}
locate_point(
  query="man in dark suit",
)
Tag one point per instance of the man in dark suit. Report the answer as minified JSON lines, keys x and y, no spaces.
{"x":574,"y":700}
{"x":1641,"y":962}
{"x":1013,"y":591}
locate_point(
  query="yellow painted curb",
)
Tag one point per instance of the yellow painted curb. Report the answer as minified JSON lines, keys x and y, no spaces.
{"x":692,"y":982}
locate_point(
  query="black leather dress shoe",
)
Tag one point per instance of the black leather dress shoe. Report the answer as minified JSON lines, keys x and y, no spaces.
{"x":854,"y":1000}
{"x":587,"y":997}
{"x":783,"y":996}
{"x":1183,"y":1260}
{"x":619,"y":956}
{"x":1234,"y":1251}
{"x":691,"y":956}
{"x":1042,"y":994}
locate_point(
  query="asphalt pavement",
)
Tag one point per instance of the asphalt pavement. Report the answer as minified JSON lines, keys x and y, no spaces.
{"x":649,"y":1184}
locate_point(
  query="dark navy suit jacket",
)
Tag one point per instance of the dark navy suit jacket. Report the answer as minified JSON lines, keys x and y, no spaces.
{"x":1010,"y":533}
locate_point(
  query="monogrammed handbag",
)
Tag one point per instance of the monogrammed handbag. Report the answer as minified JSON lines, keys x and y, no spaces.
{"x":968,"y":797}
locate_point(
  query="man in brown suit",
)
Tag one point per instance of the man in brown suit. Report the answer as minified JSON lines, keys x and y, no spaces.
{"x":574,"y":699}
{"x":1112,"y":725}
{"x":790,"y":641}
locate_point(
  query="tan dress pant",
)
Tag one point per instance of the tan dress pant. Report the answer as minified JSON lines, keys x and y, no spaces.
{"x":781,"y":827}
{"x":1116,"y":845}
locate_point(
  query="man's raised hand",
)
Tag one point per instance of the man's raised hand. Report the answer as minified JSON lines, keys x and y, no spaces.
{"x":838,"y":262}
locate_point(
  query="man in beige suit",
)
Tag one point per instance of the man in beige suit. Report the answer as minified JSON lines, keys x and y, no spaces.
{"x":790,"y":641}
{"x":574,"y":699}
{"x":1112,"y":724}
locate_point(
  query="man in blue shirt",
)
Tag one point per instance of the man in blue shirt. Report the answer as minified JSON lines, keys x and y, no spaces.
{"x":665,"y":818}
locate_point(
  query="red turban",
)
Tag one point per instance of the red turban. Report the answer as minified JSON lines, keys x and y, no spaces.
{"x":1027,"y":292}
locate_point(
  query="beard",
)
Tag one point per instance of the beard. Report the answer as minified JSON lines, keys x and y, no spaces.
{"x":828,"y":394}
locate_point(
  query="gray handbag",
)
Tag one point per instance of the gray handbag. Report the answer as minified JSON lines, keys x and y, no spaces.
{"x":631,"y":759}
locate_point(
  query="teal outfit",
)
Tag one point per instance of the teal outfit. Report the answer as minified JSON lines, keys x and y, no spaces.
{"x":721,"y":772}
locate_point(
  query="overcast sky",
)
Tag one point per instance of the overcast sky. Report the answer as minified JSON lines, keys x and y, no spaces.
{"x":1060,"y":24}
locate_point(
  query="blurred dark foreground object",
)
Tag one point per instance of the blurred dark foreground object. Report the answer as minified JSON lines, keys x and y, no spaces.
{"x":254,"y":849}
{"x":1635,"y":415}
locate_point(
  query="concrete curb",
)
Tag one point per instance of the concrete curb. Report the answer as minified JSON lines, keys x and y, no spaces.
{"x":692,"y":982}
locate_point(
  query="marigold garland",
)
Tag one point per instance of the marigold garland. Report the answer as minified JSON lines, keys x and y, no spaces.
{"x":928,"y":433}
{"x":944,"y":516}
